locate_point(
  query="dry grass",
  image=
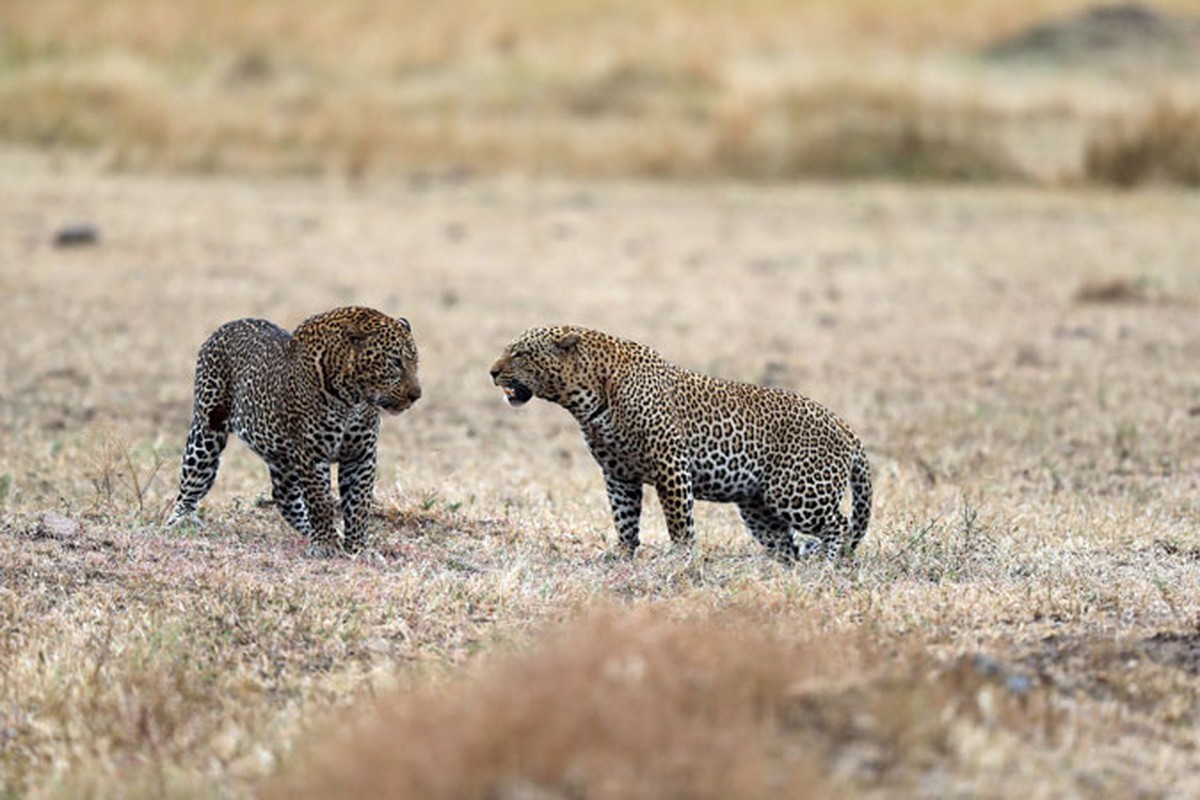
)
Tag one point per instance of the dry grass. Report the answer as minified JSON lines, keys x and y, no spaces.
{"x":1163,"y":146}
{"x":1029,"y":575}
{"x":852,"y":131}
{"x":684,"y":88}
{"x":399,"y":38}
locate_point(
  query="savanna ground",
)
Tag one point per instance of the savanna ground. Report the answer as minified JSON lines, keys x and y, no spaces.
{"x":1022,"y":619}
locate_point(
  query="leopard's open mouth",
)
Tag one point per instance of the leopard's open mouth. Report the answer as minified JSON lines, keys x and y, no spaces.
{"x":518,"y":394}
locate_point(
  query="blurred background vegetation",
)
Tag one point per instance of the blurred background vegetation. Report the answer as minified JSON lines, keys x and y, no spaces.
{"x":1045,"y":91}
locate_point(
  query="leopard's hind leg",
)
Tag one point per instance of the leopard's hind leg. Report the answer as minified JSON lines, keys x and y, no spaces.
{"x":773,"y":531}
{"x":811,"y":511}
{"x":206,"y":441}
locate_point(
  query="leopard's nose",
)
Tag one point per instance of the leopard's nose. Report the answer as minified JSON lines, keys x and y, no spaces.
{"x":495,"y":373}
{"x":414,"y":394}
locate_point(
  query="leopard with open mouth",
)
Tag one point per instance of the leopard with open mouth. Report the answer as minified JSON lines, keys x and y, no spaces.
{"x":784,"y":459}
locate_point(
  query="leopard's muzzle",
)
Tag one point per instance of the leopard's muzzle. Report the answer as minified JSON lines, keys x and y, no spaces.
{"x":394,"y":404}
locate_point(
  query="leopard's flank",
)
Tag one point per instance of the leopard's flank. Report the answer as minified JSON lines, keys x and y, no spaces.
{"x":785,"y":460}
{"x":302,"y":401}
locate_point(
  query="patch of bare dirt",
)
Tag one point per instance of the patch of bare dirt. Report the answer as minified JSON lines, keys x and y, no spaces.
{"x":1180,"y":650}
{"x":1113,"y":290}
{"x":1153,"y":674}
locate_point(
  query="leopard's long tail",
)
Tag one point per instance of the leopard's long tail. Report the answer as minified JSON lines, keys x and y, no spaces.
{"x":860,"y":499}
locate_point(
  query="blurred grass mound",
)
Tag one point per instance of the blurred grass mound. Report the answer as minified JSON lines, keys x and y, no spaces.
{"x":640,"y":706}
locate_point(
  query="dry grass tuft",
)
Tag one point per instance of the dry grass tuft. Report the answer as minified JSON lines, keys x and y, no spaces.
{"x":849,"y":131}
{"x":84,"y":112}
{"x":1161,"y":147}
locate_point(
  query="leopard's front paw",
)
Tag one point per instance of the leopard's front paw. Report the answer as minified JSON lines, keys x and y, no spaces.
{"x":181,"y":518}
{"x":618,"y":553}
{"x":684,"y":551}
{"x":323,"y":550}
{"x":368,"y":555}
{"x":355,"y":545}
{"x":811,"y":548}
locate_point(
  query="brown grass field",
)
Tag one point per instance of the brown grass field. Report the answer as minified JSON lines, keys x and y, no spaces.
{"x":1023,"y":618}
{"x":683,"y":89}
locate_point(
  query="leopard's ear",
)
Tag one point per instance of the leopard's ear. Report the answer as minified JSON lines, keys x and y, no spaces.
{"x":567,"y":341}
{"x":404,"y":324}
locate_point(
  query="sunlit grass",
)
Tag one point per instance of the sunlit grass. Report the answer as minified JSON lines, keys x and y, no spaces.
{"x":1019,"y":363}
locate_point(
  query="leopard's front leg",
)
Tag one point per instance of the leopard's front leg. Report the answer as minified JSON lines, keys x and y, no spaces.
{"x":356,"y":483}
{"x":318,"y":499}
{"x":288,"y":496}
{"x":625,"y":497}
{"x":356,"y":477}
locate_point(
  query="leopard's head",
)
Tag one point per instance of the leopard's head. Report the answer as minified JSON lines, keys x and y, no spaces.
{"x":364,"y":356}
{"x":554,"y":364}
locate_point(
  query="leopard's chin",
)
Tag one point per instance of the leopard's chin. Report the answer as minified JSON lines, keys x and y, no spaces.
{"x":392,"y":405}
{"x":518,"y":394}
